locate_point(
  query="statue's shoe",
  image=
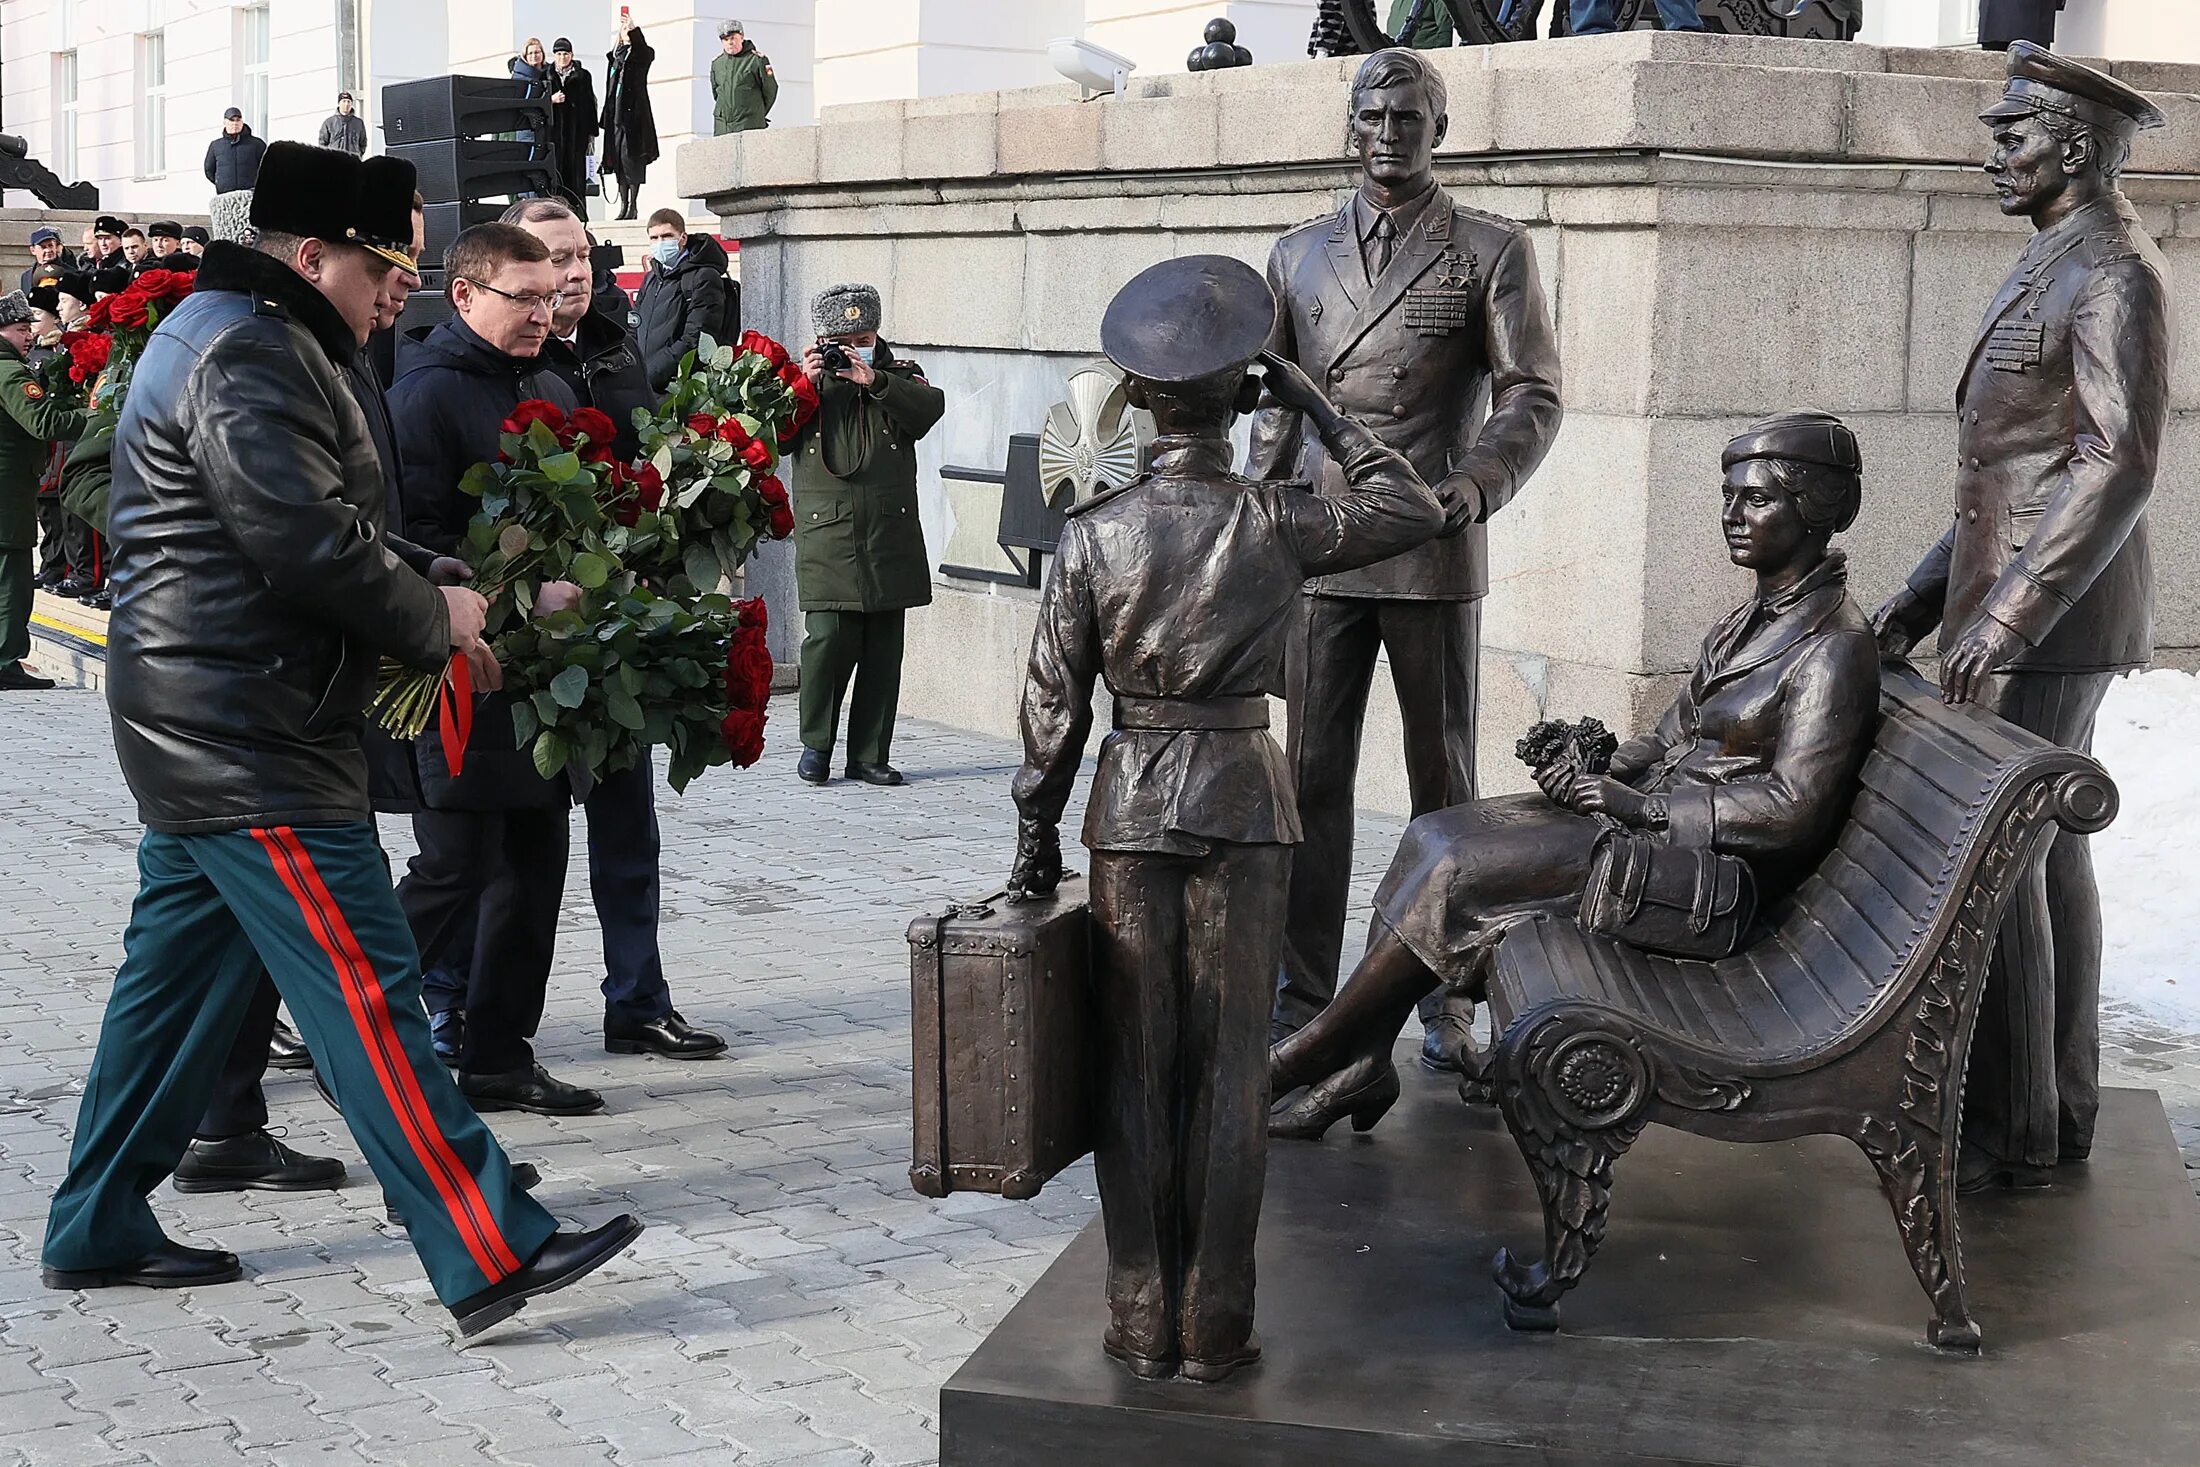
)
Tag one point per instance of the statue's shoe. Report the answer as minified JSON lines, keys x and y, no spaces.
{"x":1363,"y":1090}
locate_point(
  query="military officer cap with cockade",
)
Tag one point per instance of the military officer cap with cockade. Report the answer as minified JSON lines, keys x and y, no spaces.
{"x":845,"y":310}
{"x":2040,"y":81}
{"x":1192,"y":317}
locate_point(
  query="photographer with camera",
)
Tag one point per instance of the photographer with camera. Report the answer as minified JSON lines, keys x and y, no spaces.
{"x":860,"y":561}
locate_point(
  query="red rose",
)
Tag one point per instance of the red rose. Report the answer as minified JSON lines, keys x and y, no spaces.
{"x":127,"y":310}
{"x":743,"y":733}
{"x":100,"y":313}
{"x":650,"y":486}
{"x":532,"y":411}
{"x":731,"y":431}
{"x":757,"y":454}
{"x":791,"y":374}
{"x":702,"y":425}
{"x":755,"y":617}
{"x":596,"y":426}
{"x":88,"y":352}
{"x":770,"y":350}
{"x":774,"y":493}
{"x":165,"y":286}
{"x":782,"y":522}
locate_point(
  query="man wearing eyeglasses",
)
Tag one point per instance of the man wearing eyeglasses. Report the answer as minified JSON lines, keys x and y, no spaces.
{"x":492,"y":839}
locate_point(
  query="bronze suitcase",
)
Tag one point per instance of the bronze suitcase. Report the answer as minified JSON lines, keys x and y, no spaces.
{"x":1002,"y":1010}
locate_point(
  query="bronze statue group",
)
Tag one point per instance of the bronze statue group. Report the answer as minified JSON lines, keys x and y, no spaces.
{"x":1220,"y":862}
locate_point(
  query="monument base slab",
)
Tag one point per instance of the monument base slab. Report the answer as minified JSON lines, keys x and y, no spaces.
{"x":1751,"y":1307}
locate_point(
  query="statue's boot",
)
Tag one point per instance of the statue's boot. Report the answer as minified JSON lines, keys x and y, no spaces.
{"x":1363,"y":1090}
{"x":1978,"y":1169}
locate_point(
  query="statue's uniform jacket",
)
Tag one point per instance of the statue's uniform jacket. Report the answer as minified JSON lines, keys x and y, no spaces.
{"x":1179,"y":590}
{"x":1449,"y":357}
{"x":2060,"y":413}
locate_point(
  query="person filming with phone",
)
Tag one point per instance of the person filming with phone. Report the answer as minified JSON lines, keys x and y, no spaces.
{"x":860,"y":561}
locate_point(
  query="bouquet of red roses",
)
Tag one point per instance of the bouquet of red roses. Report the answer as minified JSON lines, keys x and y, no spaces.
{"x":715,"y":444}
{"x":630,"y":667}
{"x":68,"y":372}
{"x":128,"y":318}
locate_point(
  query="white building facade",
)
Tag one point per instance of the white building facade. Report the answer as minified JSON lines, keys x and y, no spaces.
{"x":127,"y":94}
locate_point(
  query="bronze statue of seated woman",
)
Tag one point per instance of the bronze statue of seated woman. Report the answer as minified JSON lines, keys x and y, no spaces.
{"x":1756,"y":759}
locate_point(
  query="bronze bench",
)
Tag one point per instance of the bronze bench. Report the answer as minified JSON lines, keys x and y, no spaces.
{"x":1850,"y":1012}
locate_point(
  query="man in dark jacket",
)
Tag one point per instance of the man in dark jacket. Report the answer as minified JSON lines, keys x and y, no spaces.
{"x":255,"y":594}
{"x":46,"y":267}
{"x":598,"y":359}
{"x":168,"y":253}
{"x":685,"y":293}
{"x":483,"y":893}
{"x":233,"y":158}
{"x":30,"y":424}
{"x":345,"y":128}
{"x":860,"y":561}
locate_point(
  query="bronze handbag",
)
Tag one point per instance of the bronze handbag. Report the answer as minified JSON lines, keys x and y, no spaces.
{"x":1683,"y":901}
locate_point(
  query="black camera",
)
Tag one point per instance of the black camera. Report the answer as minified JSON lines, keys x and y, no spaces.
{"x":836,"y":357}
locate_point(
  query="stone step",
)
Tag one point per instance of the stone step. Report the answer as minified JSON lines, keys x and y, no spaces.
{"x":69,"y":641}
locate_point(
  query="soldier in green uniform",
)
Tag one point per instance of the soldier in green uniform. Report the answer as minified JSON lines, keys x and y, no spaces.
{"x":1424,"y":24}
{"x":742,"y":86}
{"x":30,"y":423}
{"x":859,"y":550}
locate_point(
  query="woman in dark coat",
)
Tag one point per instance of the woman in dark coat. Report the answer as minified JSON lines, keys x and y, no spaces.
{"x":1758,"y":758}
{"x":629,"y":126}
{"x":573,"y":123}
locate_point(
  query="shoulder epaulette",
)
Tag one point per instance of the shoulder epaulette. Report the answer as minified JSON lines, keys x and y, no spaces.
{"x":1105,"y":496}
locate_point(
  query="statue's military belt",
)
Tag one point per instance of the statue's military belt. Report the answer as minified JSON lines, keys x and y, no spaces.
{"x":1205,"y":714}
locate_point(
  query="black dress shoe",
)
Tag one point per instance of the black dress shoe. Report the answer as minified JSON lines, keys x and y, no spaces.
{"x":75,"y":586}
{"x":533,"y":1089}
{"x":47,"y":580}
{"x":523,"y":1172}
{"x":172,"y":1265}
{"x":885,"y":774}
{"x":448,"y":1032}
{"x":16,"y":678}
{"x":670,"y":1037}
{"x":286,"y":1051}
{"x":101,"y":600}
{"x":815,"y":767}
{"x":254,"y":1162}
{"x":566,"y":1258}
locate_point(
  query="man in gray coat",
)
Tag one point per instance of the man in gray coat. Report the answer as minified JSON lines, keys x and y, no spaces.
{"x":1404,"y":307}
{"x":2042,"y":586}
{"x":345,"y":128}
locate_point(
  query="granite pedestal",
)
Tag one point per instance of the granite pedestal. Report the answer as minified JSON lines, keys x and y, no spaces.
{"x":1750,"y":1308}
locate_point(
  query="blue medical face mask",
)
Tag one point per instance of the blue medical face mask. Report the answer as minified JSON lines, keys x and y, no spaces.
{"x":868,"y":353}
{"x":665,"y":251}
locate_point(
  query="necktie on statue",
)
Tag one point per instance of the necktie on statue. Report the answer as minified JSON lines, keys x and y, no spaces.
{"x":1384,"y":238}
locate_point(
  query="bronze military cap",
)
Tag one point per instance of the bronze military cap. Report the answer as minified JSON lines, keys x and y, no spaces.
{"x":1188,"y":318}
{"x":1804,"y":438}
{"x":2041,"y":81}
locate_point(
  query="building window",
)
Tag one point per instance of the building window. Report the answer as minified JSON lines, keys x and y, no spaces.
{"x":152,"y":107}
{"x":348,"y":78}
{"x":65,"y":113}
{"x":253,"y":49}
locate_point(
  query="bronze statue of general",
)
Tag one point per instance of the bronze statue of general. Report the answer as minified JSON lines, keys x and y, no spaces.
{"x":2042,"y":586}
{"x":1409,"y":310}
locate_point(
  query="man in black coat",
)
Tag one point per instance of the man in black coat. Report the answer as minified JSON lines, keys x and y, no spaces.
{"x":629,"y":124}
{"x":685,"y":293}
{"x":574,"y":120}
{"x":598,"y":359}
{"x":233,"y":158}
{"x":2001,"y":22}
{"x":256,"y":592}
{"x":483,"y":893}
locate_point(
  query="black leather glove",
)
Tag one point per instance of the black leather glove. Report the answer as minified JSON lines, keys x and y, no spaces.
{"x":1038,"y":868}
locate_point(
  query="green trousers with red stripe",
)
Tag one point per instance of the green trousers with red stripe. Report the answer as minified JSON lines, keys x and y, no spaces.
{"x":313,"y":904}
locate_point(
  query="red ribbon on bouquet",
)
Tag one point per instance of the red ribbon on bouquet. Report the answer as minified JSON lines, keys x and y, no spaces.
{"x":455,"y":712}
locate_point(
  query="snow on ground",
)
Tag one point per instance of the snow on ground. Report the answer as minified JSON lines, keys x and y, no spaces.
{"x":2149,"y":860}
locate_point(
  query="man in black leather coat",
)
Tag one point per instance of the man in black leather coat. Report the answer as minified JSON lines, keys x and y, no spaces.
{"x":255,"y":594}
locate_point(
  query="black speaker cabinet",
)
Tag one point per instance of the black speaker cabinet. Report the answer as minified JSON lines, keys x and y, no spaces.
{"x":441,"y":223}
{"x":455,"y":169}
{"x":458,"y":107}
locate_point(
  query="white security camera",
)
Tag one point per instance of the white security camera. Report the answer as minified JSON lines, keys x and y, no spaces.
{"x":1095,"y":68}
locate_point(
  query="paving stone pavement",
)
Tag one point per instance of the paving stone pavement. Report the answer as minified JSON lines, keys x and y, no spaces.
{"x":793,"y":1302}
